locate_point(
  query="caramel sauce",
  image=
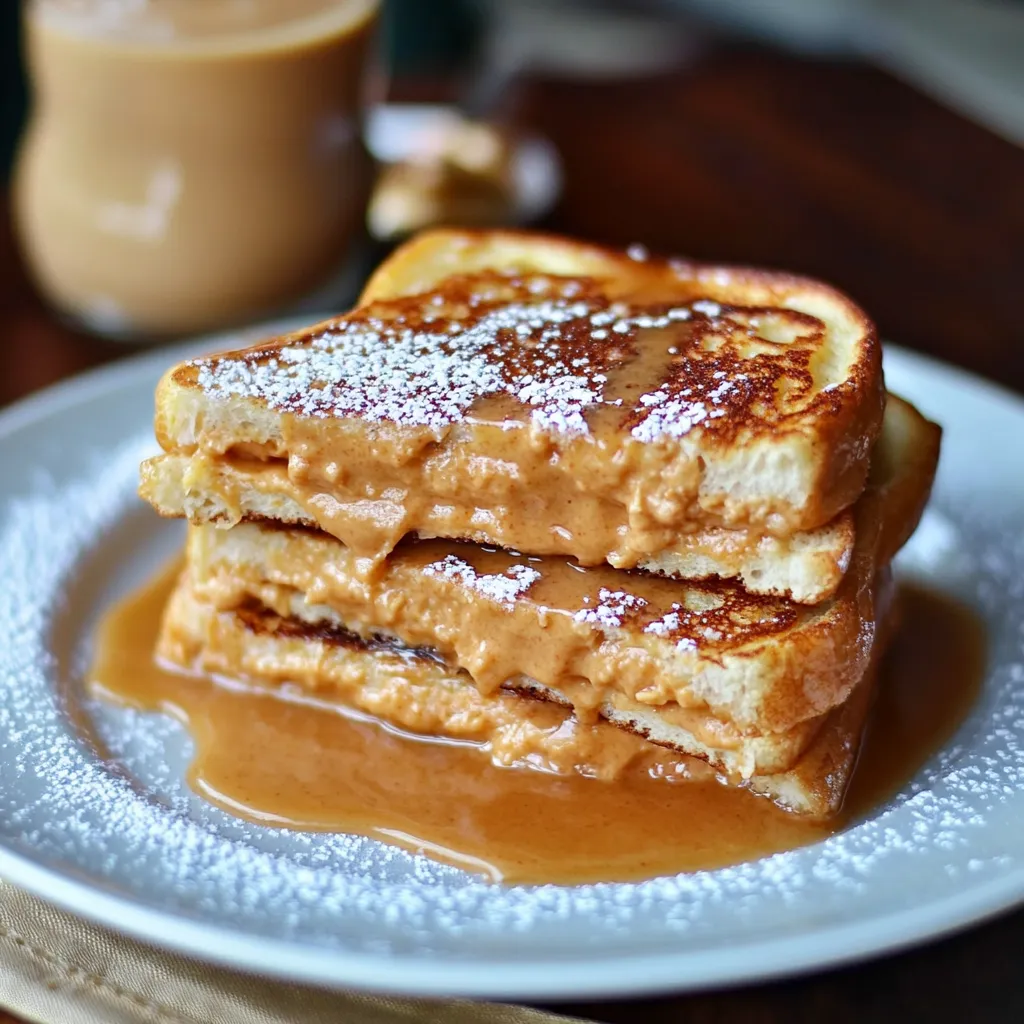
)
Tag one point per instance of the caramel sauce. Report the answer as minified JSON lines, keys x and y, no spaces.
{"x":295,"y":764}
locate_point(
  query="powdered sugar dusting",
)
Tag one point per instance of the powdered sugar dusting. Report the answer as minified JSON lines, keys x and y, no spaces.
{"x":503,"y":588}
{"x":424,"y":362}
{"x":611,"y":608}
{"x":309,"y":903}
{"x":675,"y":414}
{"x":707,"y":307}
{"x":340,"y":893}
{"x":668,"y":622}
{"x":675,"y":621}
{"x":551,"y":344}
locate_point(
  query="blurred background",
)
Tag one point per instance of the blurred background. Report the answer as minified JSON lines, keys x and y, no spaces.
{"x":877,"y":144}
{"x":874,"y":143}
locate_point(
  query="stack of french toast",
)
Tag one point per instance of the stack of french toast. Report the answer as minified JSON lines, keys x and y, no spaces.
{"x":525,"y":471}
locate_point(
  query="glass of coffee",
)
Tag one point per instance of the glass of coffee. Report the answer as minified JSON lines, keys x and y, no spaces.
{"x":192,"y":164}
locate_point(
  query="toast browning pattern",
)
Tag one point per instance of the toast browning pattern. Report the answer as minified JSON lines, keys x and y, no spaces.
{"x":604,"y":411}
{"x":701,"y":462}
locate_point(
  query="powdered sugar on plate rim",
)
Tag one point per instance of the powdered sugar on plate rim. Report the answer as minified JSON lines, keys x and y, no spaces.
{"x":121,"y":839}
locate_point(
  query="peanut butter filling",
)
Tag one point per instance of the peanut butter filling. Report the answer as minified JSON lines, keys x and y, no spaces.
{"x":228,"y":489}
{"x":412,"y":691}
{"x":593,"y":634}
{"x":278,"y":755}
{"x":535,"y":413}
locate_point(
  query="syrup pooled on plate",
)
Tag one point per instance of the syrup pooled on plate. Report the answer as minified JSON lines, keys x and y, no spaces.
{"x":279,"y":761}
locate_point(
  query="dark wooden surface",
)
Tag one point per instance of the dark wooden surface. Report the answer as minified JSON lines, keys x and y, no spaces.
{"x":833,"y":169}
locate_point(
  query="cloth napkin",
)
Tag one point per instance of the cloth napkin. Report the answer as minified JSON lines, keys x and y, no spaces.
{"x":58,"y":969}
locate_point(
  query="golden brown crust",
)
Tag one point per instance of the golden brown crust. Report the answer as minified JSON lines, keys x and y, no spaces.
{"x":806,"y":567}
{"x":716,"y":738}
{"x":851,"y":418}
{"x":763,"y":663}
{"x":412,"y":690}
{"x":685,"y":375}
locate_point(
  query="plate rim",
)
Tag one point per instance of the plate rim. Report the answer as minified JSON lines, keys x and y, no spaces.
{"x":582,"y":976}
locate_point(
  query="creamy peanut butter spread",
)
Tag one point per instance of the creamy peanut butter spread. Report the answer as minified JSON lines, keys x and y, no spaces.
{"x":227,"y":490}
{"x":272,"y":754}
{"x":411,"y":690}
{"x":592,"y":634}
{"x":540,"y":413}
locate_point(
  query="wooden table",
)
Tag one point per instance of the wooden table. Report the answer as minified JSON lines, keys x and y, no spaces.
{"x":833,"y":169}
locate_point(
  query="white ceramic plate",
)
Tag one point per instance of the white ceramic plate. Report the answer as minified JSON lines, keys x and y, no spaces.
{"x":94,"y":815}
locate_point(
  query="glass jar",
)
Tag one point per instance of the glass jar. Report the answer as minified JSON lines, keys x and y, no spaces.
{"x":191,"y":164}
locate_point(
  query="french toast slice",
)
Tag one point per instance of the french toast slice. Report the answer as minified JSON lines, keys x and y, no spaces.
{"x":548,"y":396}
{"x":621,"y":644}
{"x":415,"y":691}
{"x":806,"y":566}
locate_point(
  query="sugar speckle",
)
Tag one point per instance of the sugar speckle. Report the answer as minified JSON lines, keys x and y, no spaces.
{"x":668,"y":623}
{"x":707,"y":307}
{"x":427,"y":371}
{"x":669,"y":417}
{"x":503,"y":588}
{"x":130,"y":826}
{"x":611,"y":608}
{"x":552,"y":344}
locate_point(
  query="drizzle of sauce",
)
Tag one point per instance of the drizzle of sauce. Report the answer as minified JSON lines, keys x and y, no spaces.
{"x":295,"y":764}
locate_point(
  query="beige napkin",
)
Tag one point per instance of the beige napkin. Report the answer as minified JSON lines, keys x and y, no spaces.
{"x":57,"y":969}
